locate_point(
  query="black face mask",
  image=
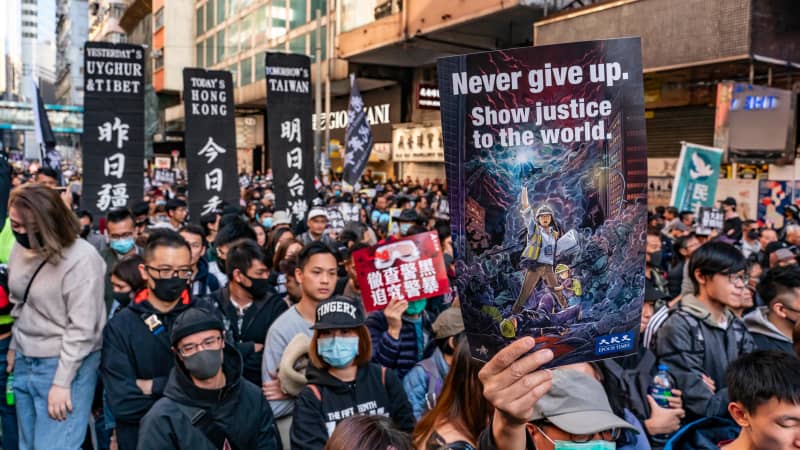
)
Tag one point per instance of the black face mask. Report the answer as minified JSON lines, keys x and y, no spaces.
{"x":203,"y":364}
{"x":752,"y":235}
{"x":169,"y":289}
{"x":123,"y":298}
{"x":258,"y":287}
{"x":221,"y":265}
{"x":22,"y":239}
{"x":655,"y":260}
{"x":85,"y":231}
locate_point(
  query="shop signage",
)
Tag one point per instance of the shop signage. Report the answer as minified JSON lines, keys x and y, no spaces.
{"x":417,"y":143}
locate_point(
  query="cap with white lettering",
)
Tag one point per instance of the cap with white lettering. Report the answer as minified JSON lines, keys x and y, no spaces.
{"x":339,"y":312}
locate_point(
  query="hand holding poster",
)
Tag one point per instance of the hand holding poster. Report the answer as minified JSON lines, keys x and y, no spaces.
{"x":545,"y":154}
{"x":409,"y":269}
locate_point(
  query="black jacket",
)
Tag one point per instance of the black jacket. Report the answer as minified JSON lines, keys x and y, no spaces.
{"x":255,"y":324}
{"x":130,"y":352}
{"x":376,"y":390}
{"x":691,"y":344}
{"x":237,"y":413}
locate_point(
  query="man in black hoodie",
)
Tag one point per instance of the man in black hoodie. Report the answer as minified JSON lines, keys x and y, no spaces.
{"x":206,"y":404}
{"x":772,"y":325}
{"x":136,"y":357}
{"x":248,"y":304}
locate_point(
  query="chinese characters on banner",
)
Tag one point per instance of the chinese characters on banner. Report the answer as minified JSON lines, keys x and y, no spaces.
{"x":709,"y":219}
{"x":210,"y":140}
{"x":113,"y":126}
{"x":290,"y":138}
{"x":410,"y":269}
{"x":696,"y":179}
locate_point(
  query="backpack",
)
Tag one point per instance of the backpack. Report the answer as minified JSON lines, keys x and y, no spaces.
{"x":435,"y":382}
{"x":202,"y":420}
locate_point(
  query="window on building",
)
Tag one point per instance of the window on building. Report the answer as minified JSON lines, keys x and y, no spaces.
{"x":279,"y":20}
{"x":158,"y":61}
{"x":221,"y":45}
{"x":245,"y":31}
{"x":261,"y":64}
{"x":297,"y":13}
{"x":210,"y":15}
{"x":199,"y":55}
{"x":158,"y":19}
{"x":210,"y":52}
{"x":260,"y":26}
{"x":298,"y":44}
{"x":221,"y":16}
{"x":246,"y":71}
{"x":323,"y":40}
{"x":235,"y":73}
{"x":200,"y":14}
{"x":232,"y":40}
{"x":321,"y":5}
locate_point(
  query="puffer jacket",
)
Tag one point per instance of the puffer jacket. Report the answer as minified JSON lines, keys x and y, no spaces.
{"x":397,"y":354}
{"x":691,"y":344}
{"x":424,"y":382}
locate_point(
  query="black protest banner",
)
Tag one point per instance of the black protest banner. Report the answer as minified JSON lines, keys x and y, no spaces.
{"x":289,"y":129}
{"x":113,"y":126}
{"x":210,"y":140}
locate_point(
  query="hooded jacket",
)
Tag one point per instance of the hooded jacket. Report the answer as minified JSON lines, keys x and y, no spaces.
{"x":130,"y":352}
{"x":255,"y":324}
{"x":238,"y":412}
{"x":204,"y":283}
{"x":766,"y":336}
{"x":691,"y":344}
{"x":375,"y":391}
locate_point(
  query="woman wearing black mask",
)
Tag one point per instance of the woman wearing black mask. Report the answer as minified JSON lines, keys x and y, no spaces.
{"x":126,"y":281}
{"x":56,"y":282}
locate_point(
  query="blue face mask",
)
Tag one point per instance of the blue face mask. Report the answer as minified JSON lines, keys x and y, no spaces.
{"x":122,"y":246}
{"x":591,"y":445}
{"x":404,"y":227}
{"x":338,"y":351}
{"x":267,"y":222}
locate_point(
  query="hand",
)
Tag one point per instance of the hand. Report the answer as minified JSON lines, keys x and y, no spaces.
{"x":258,"y":347}
{"x":146,"y":386}
{"x":524,"y":196}
{"x":10,"y":359}
{"x":558,"y":288}
{"x":663,"y":420}
{"x":513,"y":384}
{"x":59,"y":403}
{"x":272,"y":389}
{"x":676,"y":401}
{"x":394,"y":316}
{"x":710,"y":384}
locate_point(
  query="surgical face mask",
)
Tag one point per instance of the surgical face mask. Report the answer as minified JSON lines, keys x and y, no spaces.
{"x":338,"y":351}
{"x":169,"y":289}
{"x":122,"y":246}
{"x":416,"y":307}
{"x":752,"y":235}
{"x":203,"y":364}
{"x":404,"y":227}
{"x":266,"y":222}
{"x":591,"y":445}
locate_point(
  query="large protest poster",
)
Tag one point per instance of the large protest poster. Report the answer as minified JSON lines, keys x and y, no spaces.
{"x":411,"y":268}
{"x":113,"y":126}
{"x":210,"y":140}
{"x":696,"y":177}
{"x":773,"y":197}
{"x":545,"y":155}
{"x":289,"y":132}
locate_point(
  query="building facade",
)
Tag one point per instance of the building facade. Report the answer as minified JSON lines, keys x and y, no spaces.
{"x":72,"y":30}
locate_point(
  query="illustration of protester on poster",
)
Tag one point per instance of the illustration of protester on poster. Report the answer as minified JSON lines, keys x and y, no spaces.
{"x":773,"y":198}
{"x":547,"y":180}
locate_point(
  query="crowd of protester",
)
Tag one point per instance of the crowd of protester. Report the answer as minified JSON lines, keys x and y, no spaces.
{"x":141,"y":330}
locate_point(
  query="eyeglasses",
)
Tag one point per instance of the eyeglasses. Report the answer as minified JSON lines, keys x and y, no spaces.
{"x":184,"y":274}
{"x":735,"y":278}
{"x":606,"y":435}
{"x":211,"y":343}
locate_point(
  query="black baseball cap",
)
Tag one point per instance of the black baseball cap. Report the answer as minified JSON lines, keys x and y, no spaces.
{"x":175,"y":203}
{"x":339,"y":312}
{"x":194,"y":320}
{"x":729,"y":201}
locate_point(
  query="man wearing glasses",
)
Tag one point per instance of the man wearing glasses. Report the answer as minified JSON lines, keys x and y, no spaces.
{"x":207,"y":403}
{"x":136,"y":358}
{"x":702,"y":336}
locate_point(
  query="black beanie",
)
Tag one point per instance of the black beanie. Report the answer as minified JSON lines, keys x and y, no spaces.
{"x":194,"y":320}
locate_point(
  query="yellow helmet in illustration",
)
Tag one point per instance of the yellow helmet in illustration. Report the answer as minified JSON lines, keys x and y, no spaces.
{"x":561,"y":268}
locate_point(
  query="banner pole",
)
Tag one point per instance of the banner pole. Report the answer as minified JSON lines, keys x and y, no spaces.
{"x":318,"y":94}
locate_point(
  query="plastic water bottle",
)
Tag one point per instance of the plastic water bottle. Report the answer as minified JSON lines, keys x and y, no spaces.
{"x":661,"y":391}
{"x":661,"y":387}
{"x":10,"y":390}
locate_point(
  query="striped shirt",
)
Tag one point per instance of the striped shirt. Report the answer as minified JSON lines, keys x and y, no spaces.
{"x":658,"y":319}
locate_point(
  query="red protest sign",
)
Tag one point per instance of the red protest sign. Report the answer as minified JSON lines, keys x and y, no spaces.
{"x":411,"y":268}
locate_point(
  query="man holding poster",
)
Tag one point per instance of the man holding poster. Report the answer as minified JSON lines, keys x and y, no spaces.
{"x":545,"y":154}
